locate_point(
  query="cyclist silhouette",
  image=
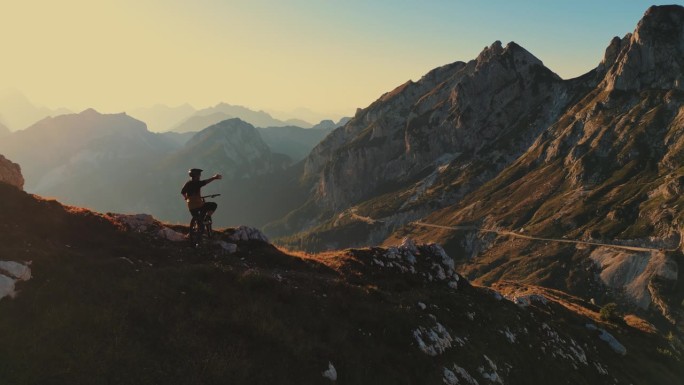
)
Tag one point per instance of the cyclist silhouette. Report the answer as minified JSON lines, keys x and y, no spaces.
{"x":193,"y":196}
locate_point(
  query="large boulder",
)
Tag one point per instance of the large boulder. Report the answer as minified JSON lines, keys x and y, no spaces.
{"x":10,"y":173}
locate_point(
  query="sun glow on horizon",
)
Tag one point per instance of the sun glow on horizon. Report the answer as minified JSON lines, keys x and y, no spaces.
{"x":331,"y":57}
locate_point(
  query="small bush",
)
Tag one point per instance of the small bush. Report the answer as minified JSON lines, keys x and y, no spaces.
{"x":609,"y":312}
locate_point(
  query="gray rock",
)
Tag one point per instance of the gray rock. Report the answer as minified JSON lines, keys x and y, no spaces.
{"x":10,"y":173}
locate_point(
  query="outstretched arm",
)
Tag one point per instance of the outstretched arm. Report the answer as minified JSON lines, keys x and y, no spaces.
{"x":213,"y":178}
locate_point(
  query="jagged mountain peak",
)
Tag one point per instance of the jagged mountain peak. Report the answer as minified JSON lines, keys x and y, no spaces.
{"x":512,"y":56}
{"x":653,"y":56}
{"x":661,"y":21}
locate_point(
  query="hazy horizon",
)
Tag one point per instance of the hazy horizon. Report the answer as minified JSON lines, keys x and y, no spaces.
{"x":278,"y":56}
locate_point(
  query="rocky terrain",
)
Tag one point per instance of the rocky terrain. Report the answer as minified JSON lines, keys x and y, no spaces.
{"x":429,"y":143}
{"x":501,"y":144}
{"x":93,"y":298}
{"x":10,"y":173}
{"x":608,"y":171}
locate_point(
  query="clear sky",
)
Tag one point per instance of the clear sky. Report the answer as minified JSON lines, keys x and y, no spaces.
{"x":330,"y":56}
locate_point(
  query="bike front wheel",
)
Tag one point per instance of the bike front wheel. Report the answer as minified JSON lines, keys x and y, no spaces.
{"x":195,"y":234}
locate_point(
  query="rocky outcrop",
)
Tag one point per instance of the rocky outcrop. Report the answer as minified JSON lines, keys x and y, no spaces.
{"x":10,"y":173}
{"x":606,"y":171}
{"x":458,"y":109}
{"x":653,"y":58}
{"x":428,"y":143}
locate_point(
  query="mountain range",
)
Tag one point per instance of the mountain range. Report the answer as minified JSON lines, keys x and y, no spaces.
{"x":111,"y":162}
{"x":476,"y":151}
{"x":222,"y":111}
{"x":489,"y":223}
{"x":17,"y":112}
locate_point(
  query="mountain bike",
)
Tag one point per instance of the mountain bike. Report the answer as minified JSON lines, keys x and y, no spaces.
{"x":200,"y":225}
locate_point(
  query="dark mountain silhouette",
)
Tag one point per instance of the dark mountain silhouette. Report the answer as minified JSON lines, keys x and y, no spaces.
{"x":111,"y":297}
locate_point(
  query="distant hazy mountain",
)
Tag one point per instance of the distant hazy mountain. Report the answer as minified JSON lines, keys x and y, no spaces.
{"x":111,"y":162}
{"x":233,"y":148}
{"x":293,"y":141}
{"x":255,"y":118}
{"x":160,"y":118}
{"x":86,"y":157}
{"x":196,"y":123}
{"x":4,"y":130}
{"x":298,"y":122}
{"x":18,"y":112}
{"x":296,"y":142}
{"x":305,"y":114}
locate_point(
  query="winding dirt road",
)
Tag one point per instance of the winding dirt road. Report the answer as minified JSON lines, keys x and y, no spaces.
{"x":517,"y":235}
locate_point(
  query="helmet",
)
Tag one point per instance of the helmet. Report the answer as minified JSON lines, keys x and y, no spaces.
{"x":194,"y":171}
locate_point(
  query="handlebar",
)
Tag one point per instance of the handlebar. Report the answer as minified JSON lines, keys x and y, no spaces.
{"x":211,"y":196}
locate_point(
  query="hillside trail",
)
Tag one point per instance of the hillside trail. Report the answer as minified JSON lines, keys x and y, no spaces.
{"x":560,"y":240}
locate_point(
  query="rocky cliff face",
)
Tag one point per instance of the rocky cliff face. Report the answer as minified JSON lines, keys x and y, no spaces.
{"x":608,"y":171}
{"x":651,"y":58}
{"x":457,"y":110}
{"x":10,"y":173}
{"x":428,"y":143}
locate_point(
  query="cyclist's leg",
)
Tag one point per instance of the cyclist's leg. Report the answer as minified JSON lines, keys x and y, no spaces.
{"x":197,"y":217}
{"x":209,"y":209}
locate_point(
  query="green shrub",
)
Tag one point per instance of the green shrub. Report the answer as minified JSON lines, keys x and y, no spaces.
{"x":609,"y":312}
